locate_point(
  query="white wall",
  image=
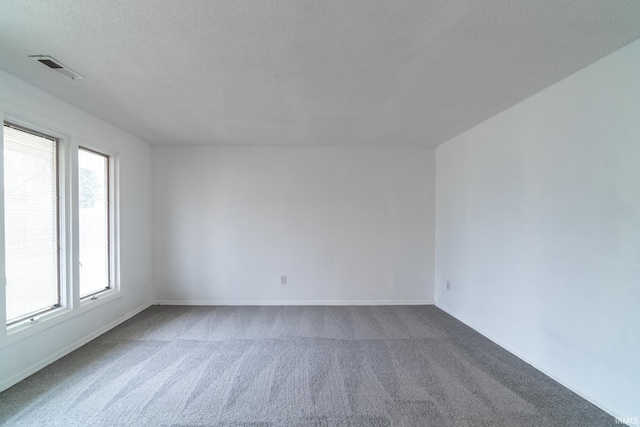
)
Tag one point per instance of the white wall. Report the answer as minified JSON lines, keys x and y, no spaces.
{"x":538,"y":230}
{"x":346,"y":225}
{"x":21,"y":358}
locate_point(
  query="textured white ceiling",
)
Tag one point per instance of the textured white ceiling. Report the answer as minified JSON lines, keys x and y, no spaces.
{"x":348,"y":72}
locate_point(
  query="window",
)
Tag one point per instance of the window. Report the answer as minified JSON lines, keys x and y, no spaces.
{"x":93,"y":183}
{"x":31,"y":222}
{"x":60,"y":227}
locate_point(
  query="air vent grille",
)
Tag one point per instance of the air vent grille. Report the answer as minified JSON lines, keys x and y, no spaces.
{"x":56,"y":66}
{"x":49,"y":63}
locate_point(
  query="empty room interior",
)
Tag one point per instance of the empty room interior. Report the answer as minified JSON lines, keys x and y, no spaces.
{"x":320,"y":213}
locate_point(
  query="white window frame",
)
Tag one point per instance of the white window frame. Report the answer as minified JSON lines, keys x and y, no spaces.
{"x":114,"y":258}
{"x":71,"y":305}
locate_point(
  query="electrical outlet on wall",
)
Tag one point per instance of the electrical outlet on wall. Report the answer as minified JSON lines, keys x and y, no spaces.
{"x":283,"y":280}
{"x":448,"y":285}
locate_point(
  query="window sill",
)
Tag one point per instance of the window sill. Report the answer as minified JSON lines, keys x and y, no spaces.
{"x":28,"y":328}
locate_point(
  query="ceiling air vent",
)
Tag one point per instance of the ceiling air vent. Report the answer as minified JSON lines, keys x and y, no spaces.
{"x":57,"y":66}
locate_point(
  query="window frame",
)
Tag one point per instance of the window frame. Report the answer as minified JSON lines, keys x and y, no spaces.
{"x":113,"y":155}
{"x":71,"y":305}
{"x":56,"y":140}
{"x":110,"y":226}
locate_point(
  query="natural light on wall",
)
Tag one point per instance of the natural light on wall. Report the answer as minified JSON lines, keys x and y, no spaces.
{"x":31,"y":223}
{"x":93,"y":183}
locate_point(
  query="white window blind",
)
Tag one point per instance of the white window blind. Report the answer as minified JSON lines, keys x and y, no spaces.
{"x":93,"y":183}
{"x":31,"y":222}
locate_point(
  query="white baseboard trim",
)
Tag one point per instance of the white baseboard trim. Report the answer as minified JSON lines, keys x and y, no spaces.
{"x":296,"y":302}
{"x":524,"y":359}
{"x":59,"y":354}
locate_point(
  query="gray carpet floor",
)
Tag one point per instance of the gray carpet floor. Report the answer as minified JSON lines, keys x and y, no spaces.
{"x":293,"y":366}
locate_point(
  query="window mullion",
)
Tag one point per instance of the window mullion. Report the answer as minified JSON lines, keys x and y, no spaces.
{"x":3,"y":285}
{"x":74,"y":225}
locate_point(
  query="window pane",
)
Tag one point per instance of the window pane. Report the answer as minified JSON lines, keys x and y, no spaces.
{"x":93,"y":180}
{"x":31,"y":223}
